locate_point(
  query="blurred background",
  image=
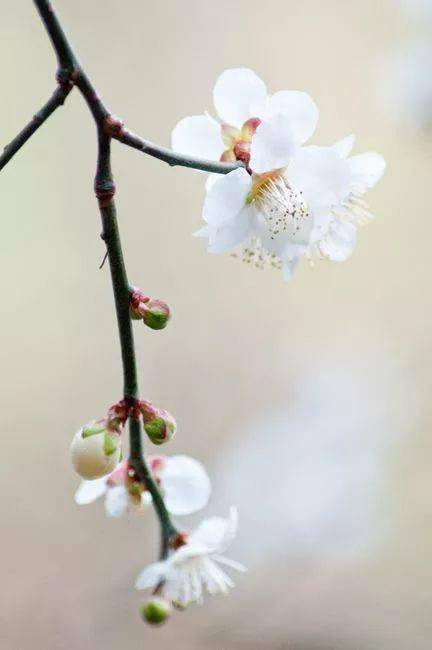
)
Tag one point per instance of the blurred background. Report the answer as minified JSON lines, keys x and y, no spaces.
{"x":308,"y":402}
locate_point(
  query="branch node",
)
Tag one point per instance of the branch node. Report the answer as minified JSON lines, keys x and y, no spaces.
{"x":113,"y":126}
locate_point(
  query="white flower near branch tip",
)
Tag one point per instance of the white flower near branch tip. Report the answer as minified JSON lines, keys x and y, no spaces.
{"x":183,"y":481}
{"x":288,"y":200}
{"x":194,"y":568}
{"x":243,"y":104}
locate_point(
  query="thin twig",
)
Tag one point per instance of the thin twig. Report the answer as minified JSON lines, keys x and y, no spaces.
{"x":57,"y":99}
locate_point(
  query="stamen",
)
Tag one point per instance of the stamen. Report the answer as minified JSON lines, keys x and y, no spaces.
{"x":283,"y":207}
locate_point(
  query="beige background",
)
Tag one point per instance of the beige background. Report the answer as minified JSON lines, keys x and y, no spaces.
{"x":308,"y":402}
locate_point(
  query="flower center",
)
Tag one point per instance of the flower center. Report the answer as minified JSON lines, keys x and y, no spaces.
{"x":282,"y":206}
{"x":238,"y":141}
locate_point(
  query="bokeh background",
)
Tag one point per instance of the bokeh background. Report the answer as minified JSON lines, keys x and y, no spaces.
{"x":308,"y":402}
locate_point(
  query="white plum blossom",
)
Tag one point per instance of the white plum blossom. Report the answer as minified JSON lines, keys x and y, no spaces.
{"x":183,"y":481}
{"x":194,"y":568}
{"x":288,"y":200}
{"x":242,"y":104}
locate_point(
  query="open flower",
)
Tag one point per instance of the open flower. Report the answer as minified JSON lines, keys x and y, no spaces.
{"x":182,"y":480}
{"x":194,"y":568}
{"x":288,"y":200}
{"x":313,"y":204}
{"x":335,"y":233}
{"x":243,"y":104}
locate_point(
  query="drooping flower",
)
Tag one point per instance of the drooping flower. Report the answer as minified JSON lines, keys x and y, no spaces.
{"x":288,"y":200}
{"x":193,"y":569}
{"x":182,"y":480}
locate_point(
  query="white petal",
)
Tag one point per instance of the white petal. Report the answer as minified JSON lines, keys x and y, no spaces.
{"x":230,"y":563}
{"x":89,"y":491}
{"x":339,"y":242}
{"x":344,"y":147}
{"x":227,"y":197}
{"x":116,"y":501}
{"x":151,"y":575}
{"x":288,"y":268}
{"x":211,"y":180}
{"x":272,"y":145}
{"x":300,"y":110}
{"x":185,"y":484}
{"x":202,"y":232}
{"x":238,"y":95}
{"x":199,"y":135}
{"x":216,"y":532}
{"x":322,"y":176}
{"x":230,"y":235}
{"x":366,"y":169}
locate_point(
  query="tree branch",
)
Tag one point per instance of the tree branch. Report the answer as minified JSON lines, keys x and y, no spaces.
{"x":67,"y":60}
{"x":105,"y":190}
{"x":70,"y":73}
{"x":173,"y":158}
{"x":56,"y":100}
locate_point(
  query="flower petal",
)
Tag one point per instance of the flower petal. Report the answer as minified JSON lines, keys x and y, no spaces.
{"x":227,"y":197}
{"x":288,"y":268}
{"x":366,"y":169}
{"x":344,"y":146}
{"x":151,"y":575}
{"x":199,"y":135}
{"x":322,"y":176}
{"x":216,"y":533}
{"x":230,"y":235}
{"x":272,"y":145}
{"x":300,"y":110}
{"x":339,"y":242}
{"x":116,"y":501}
{"x":185,"y":484}
{"x":238,"y":95}
{"x":211,"y":180}
{"x":89,"y":491}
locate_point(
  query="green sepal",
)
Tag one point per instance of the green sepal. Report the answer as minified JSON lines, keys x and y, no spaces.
{"x":92,"y":430}
{"x":111,"y":443}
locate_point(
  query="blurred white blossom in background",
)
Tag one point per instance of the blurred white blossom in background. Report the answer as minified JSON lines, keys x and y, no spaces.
{"x":405,"y":80}
{"x":317,"y":465}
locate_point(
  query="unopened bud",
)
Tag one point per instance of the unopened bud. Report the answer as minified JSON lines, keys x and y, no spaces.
{"x":155,"y":313}
{"x":95,"y":451}
{"x":156,"y":610}
{"x":159,"y":425}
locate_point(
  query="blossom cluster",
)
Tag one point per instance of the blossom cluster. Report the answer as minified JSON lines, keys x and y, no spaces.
{"x":287,"y":200}
{"x":193,"y":565}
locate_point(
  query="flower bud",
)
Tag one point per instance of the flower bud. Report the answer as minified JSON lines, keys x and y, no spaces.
{"x":156,"y":610}
{"x":155,"y":313}
{"x":95,"y":451}
{"x":159,"y":425}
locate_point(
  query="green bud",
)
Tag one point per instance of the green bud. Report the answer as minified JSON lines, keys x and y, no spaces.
{"x":156,"y":314}
{"x":161,"y":428}
{"x":155,"y":611}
